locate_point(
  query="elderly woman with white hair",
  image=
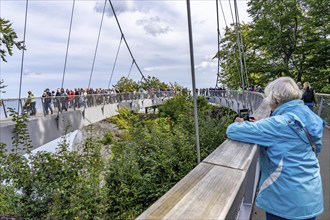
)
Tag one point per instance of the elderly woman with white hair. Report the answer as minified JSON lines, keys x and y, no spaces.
{"x":290,"y":185}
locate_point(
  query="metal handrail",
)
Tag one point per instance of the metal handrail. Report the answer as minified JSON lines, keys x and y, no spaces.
{"x":250,"y":100}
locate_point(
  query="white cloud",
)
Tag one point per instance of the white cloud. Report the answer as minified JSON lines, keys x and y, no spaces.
{"x":153,"y":26}
{"x":205,"y":65}
{"x":119,"y":7}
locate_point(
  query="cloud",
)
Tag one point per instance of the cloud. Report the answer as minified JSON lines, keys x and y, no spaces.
{"x":119,"y":6}
{"x":153,"y":26}
{"x":27,"y":72}
{"x":206,"y":64}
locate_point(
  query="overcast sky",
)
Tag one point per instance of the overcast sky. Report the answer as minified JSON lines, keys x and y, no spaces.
{"x":156,"y":32}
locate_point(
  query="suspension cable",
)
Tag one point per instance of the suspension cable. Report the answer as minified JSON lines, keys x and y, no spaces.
{"x":113,"y":68}
{"x":232,"y":16}
{"x":22,"y":62}
{"x":129,"y":73}
{"x":218,"y":72}
{"x":224,"y":18}
{"x":239,"y":48}
{"x":97,"y":44}
{"x":231,"y":12}
{"x":242,"y":44}
{"x":68,"y":43}
{"x":241,"y":72}
{"x":129,"y":50}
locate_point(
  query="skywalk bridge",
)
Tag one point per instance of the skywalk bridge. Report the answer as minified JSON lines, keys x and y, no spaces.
{"x":222,"y":186}
{"x":44,"y":128}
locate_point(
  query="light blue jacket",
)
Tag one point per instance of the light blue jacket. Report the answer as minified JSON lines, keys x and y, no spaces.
{"x":290,"y":184}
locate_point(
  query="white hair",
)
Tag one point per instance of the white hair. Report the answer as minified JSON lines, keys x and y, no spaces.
{"x":282,"y":90}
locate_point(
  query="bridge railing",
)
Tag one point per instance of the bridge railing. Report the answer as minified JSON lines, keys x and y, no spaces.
{"x":71,"y":103}
{"x":229,"y":98}
{"x":323,"y":108}
{"x":251,"y":100}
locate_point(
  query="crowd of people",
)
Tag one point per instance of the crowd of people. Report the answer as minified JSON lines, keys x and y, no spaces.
{"x":63,"y":99}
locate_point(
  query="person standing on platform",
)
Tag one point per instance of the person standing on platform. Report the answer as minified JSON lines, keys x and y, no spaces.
{"x":309,"y":96}
{"x":32,"y":101}
{"x":47,"y":95}
{"x":290,"y":185}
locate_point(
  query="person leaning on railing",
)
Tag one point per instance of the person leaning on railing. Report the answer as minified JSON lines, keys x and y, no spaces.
{"x":290,"y":185}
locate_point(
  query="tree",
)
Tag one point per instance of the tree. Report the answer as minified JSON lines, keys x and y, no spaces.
{"x":257,"y":61}
{"x":154,"y":83}
{"x":288,"y":38}
{"x":2,"y":86}
{"x":125,"y":84}
{"x":276,"y":25}
{"x":8,"y":38}
{"x":228,"y":56}
{"x":315,"y":45}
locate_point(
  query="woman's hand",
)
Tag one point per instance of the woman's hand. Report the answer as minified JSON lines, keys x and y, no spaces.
{"x":251,"y":119}
{"x":237,"y":119}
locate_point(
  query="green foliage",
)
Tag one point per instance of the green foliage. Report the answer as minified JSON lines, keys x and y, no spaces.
{"x":176,"y":86}
{"x":326,"y":89}
{"x":8,"y":200}
{"x":21,"y":139}
{"x":125,"y":118}
{"x":284,"y":38}
{"x":125,"y":84}
{"x":107,"y":139}
{"x":60,"y":185}
{"x":8,"y":37}
{"x":158,"y":153}
{"x":146,"y":165}
{"x":176,"y":107}
{"x":1,"y":87}
{"x":153,"y":82}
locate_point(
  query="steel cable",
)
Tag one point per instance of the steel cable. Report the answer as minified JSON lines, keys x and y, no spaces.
{"x":68,"y":44}
{"x":97,"y":44}
{"x":22,"y":62}
{"x":114,"y":65}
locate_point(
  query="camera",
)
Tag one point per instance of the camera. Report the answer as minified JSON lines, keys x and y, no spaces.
{"x":243,"y":113}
